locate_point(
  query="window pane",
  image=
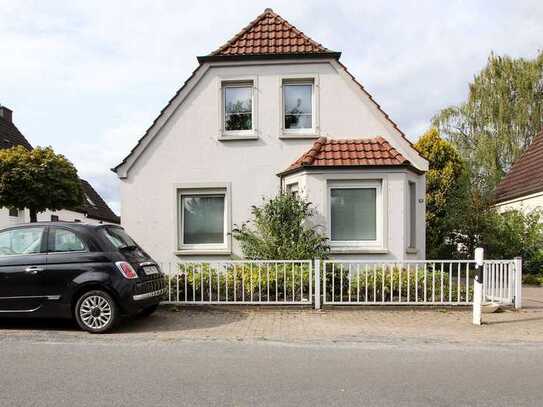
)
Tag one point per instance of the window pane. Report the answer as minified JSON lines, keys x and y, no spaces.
{"x":298,"y":122}
{"x":21,"y":241}
{"x":353,"y":214}
{"x":412,"y":215}
{"x":118,"y":237}
{"x":66,"y":241}
{"x":238,"y":108}
{"x":203,"y":219}
{"x":298,"y":99}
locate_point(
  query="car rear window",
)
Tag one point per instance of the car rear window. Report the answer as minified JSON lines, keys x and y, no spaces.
{"x":118,"y":237}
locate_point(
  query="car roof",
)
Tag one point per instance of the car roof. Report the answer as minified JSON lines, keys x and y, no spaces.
{"x":73,"y":225}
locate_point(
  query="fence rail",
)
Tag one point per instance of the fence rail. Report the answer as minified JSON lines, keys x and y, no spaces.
{"x":340,"y":282}
{"x":241,"y":282}
{"x":392,"y":283}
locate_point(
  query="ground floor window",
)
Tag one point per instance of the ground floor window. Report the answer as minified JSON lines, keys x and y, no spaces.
{"x":355,"y":213}
{"x":202,"y":219}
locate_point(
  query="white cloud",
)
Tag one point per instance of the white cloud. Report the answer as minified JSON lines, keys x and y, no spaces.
{"x":88,"y":78}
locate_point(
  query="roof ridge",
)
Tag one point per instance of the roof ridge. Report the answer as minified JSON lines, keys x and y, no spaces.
{"x":287,"y":27}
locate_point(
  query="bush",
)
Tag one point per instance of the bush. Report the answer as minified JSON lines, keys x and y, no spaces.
{"x":249,"y":281}
{"x":279,"y":231}
{"x":531,"y":279}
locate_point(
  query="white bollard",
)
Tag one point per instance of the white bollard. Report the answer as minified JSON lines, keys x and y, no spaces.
{"x":478,"y":286}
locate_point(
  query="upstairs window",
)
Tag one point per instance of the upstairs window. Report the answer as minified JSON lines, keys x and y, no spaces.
{"x":298,"y":106}
{"x":238,"y":107}
{"x":14,"y":212}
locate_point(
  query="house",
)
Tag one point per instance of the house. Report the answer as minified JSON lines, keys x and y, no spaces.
{"x":272,"y":109}
{"x":522,"y":186}
{"x":94,"y":209}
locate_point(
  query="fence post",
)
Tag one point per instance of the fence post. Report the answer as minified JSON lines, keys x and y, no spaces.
{"x":518,"y":282}
{"x":478,"y":286}
{"x":317,"y":284}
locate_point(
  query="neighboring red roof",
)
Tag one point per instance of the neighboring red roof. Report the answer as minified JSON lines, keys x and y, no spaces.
{"x":526,"y":174}
{"x":348,"y":153}
{"x":269,"y":33}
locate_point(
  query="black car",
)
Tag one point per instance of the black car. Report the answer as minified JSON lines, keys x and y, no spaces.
{"x":93,"y":273}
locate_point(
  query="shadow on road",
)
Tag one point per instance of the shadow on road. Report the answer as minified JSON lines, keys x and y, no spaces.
{"x":164,"y":320}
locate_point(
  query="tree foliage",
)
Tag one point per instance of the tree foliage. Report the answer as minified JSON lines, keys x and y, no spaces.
{"x":38,"y":180}
{"x":502,"y":114}
{"x":279,"y":231}
{"x":446,"y":192}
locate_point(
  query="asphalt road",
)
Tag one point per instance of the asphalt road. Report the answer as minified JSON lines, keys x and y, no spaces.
{"x":105,"y":372}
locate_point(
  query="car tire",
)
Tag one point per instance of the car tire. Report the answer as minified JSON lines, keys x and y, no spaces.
{"x":147,"y":311}
{"x":96,"y":312}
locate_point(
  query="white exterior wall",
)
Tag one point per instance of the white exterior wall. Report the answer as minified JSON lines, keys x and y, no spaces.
{"x":186,"y":149}
{"x":525,"y":203}
{"x":63,"y":215}
{"x":313,"y":186}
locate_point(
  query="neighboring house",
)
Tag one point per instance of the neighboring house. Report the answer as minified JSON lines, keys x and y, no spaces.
{"x":522,"y":186}
{"x":273,"y":109}
{"x":94,"y":209}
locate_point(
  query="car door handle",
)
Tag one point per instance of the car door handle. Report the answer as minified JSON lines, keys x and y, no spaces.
{"x":33,"y":269}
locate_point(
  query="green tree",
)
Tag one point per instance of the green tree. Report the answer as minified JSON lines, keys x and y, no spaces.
{"x":279,"y":231}
{"x":38,"y":180}
{"x":502,"y":114}
{"x":446,"y":194}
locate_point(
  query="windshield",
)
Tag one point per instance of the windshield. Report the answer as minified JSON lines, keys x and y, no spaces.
{"x":118,"y":237}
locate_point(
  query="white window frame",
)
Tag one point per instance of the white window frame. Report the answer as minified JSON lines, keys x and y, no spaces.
{"x":293,"y":188}
{"x":378,"y":243}
{"x":210,"y":189}
{"x":237,"y":82}
{"x":312,"y":132}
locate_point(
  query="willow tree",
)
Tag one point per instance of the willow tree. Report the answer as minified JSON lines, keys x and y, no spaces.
{"x":502,"y":114}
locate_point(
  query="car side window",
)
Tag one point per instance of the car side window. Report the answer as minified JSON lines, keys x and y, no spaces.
{"x":21,"y":241}
{"x":63,"y":240}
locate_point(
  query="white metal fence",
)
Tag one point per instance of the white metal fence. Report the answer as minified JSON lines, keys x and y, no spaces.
{"x":416,"y":282}
{"x":499,"y":281}
{"x":241,"y":282}
{"x":341,"y":282}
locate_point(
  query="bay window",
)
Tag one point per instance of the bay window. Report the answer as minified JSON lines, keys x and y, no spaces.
{"x":355,"y":214}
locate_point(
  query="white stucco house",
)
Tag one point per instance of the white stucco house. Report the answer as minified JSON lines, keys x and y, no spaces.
{"x":94,"y":209}
{"x":522,"y":186}
{"x":272,"y":109}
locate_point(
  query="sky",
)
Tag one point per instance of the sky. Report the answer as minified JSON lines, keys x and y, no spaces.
{"x":89,"y":77}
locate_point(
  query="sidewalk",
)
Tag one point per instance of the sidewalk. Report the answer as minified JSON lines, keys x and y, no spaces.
{"x":307,"y":325}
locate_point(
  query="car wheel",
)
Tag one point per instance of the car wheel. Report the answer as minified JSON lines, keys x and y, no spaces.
{"x":96,"y":312}
{"x":148,"y":310}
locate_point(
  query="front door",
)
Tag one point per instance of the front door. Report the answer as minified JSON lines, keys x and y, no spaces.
{"x":22,"y":261}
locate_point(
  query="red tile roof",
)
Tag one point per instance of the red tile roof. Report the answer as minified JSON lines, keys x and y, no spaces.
{"x":526,"y":174}
{"x":348,"y":153}
{"x":270,"y":34}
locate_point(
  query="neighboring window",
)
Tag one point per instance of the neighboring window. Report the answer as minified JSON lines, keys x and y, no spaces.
{"x":298,"y":105}
{"x":62,"y":240}
{"x":238,"y":106}
{"x":14,"y":212}
{"x":412,"y":215}
{"x":118,"y":237}
{"x":21,"y":241}
{"x":202,"y":220}
{"x":54,"y":218}
{"x":293,"y":189}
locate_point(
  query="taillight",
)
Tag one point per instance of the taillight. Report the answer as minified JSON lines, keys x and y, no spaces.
{"x":126,"y":270}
